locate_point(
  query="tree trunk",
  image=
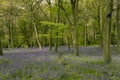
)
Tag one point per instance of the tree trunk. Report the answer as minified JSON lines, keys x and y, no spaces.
{"x":43,"y":39}
{"x":94,"y":37}
{"x":118,"y":25}
{"x":74,"y":4}
{"x":36,"y":32}
{"x":68,"y":39}
{"x":107,"y":33}
{"x":1,"y":52}
{"x":85,"y":32}
{"x":58,"y":20}
{"x":100,"y":23}
{"x":50,"y":40}
{"x":75,"y":42}
{"x":36,"y":35}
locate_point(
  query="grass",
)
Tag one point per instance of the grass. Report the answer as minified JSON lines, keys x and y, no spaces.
{"x":69,"y":67}
{"x":4,"y":61}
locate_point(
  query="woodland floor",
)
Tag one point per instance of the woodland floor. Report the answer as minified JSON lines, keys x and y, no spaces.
{"x":36,"y":64}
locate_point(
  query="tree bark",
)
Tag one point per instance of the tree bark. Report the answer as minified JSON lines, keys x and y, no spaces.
{"x":85,"y":32}
{"x":1,"y":52}
{"x":74,"y":4}
{"x":35,"y":30}
{"x":36,"y":35}
{"x":107,"y":32}
{"x":100,"y":23}
{"x":58,"y":20}
{"x":50,"y":38}
{"x":118,"y":25}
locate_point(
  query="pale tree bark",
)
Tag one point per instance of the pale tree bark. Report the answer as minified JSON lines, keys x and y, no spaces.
{"x":31,"y":8}
{"x":35,"y":30}
{"x":36,"y":35}
{"x":107,"y":32}
{"x":118,"y":25}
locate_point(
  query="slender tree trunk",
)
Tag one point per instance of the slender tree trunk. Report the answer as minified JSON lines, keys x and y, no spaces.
{"x":73,"y":23}
{"x":118,"y":25}
{"x":36,"y":35}
{"x":94,"y":36}
{"x":43,"y":40}
{"x":85,"y":31}
{"x":58,"y":20}
{"x":56,"y":42}
{"x":9,"y":33}
{"x":11,"y":37}
{"x":107,"y":32}
{"x":31,"y":6}
{"x":1,"y":52}
{"x":10,"y":28}
{"x":68,"y":39}
{"x":35,"y":31}
{"x":50,"y":40}
{"x":100,"y":25}
{"x":85,"y":26}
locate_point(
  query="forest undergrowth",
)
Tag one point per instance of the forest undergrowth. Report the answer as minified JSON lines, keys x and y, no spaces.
{"x":35,"y":64}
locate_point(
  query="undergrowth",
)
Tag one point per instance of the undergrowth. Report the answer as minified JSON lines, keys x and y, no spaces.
{"x":77,"y":68}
